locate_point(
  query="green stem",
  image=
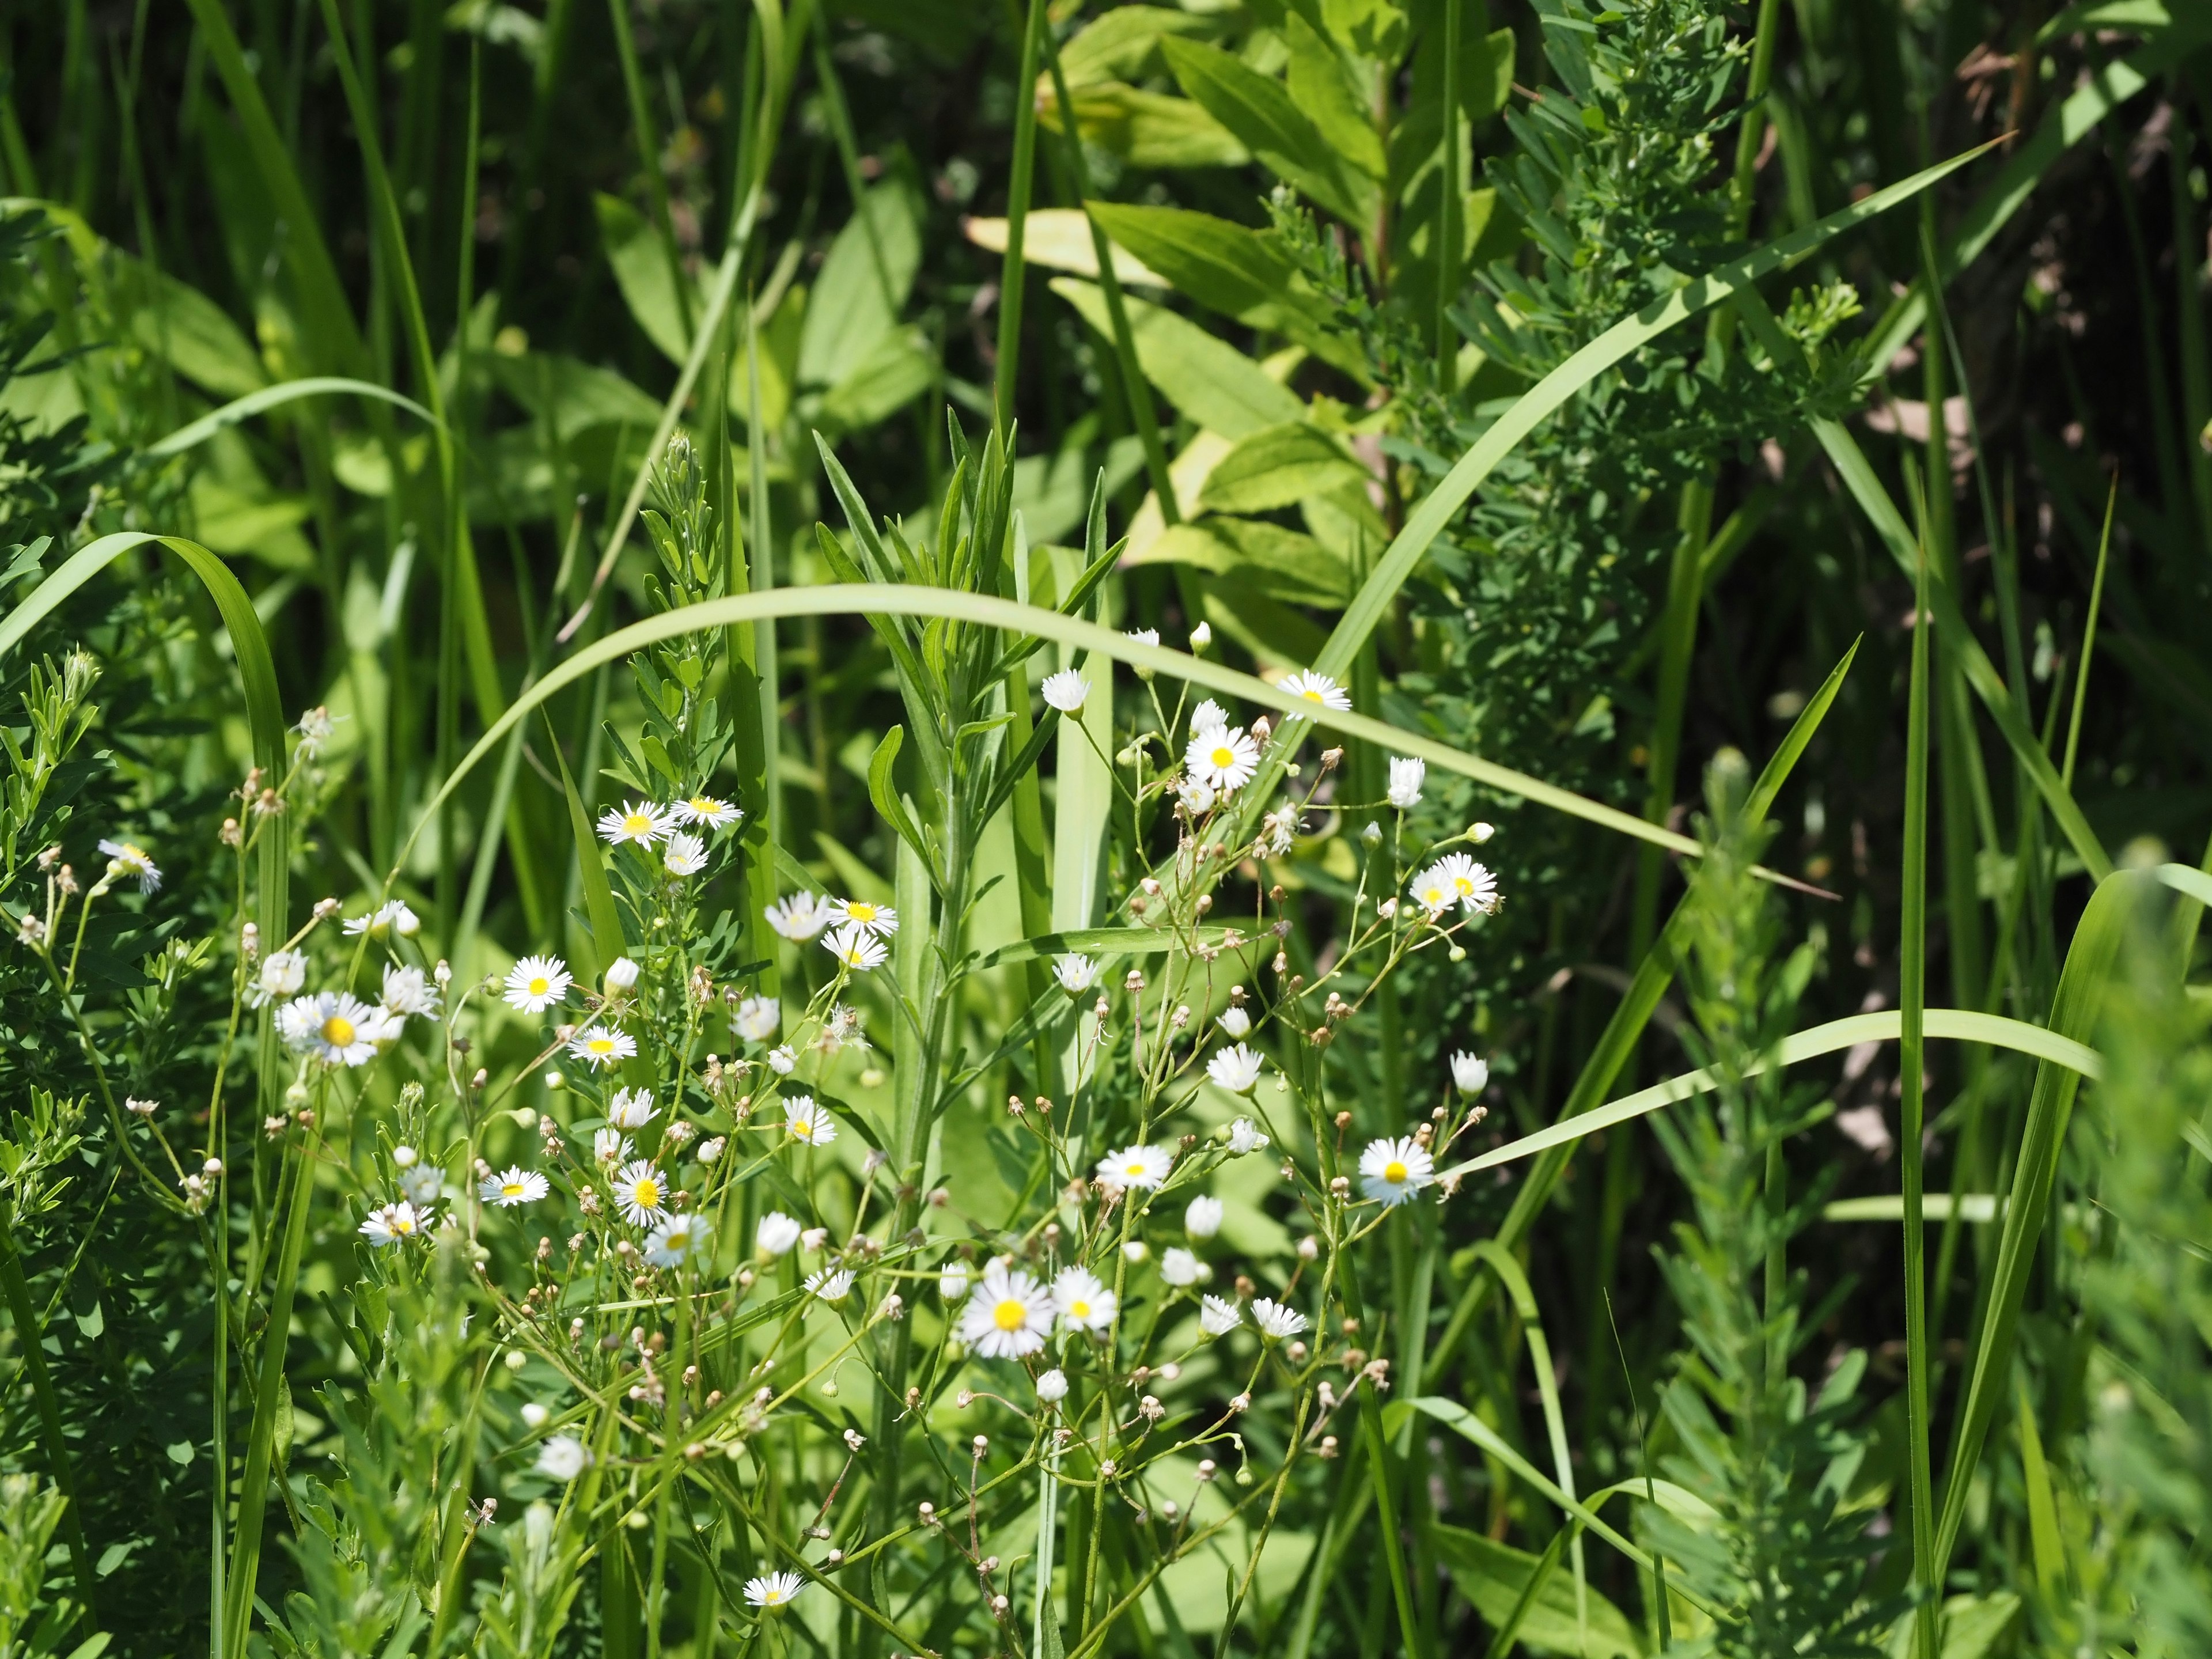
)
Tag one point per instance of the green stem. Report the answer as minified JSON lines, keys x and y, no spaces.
{"x":1911,"y":996}
{"x":29,"y":1337}
{"x":1017,"y":213}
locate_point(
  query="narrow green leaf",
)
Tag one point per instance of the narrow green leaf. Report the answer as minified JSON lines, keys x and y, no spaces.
{"x":599,"y":896}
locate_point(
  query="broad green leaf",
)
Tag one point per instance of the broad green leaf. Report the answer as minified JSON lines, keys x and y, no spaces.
{"x":1320,"y":86}
{"x":1059,"y":239}
{"x":1123,"y":44}
{"x":1972,"y":1626}
{"x":893,"y":374}
{"x":264,"y":525}
{"x":640,"y":260}
{"x":1146,"y":129}
{"x":1492,"y":1576}
{"x":1208,"y":379}
{"x":1280,"y":564}
{"x":2087,"y":16}
{"x":192,"y":334}
{"x":570,"y":396}
{"x":1261,"y":111}
{"x":1278,"y":466}
{"x":862,"y":286}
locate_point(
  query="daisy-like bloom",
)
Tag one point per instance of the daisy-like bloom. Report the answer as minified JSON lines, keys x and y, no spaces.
{"x":756,"y":1019}
{"x":1179,"y":1267}
{"x":334,"y":1026}
{"x":1145,"y":635}
{"x":1135,"y":1166}
{"x":1202,"y":1219}
{"x":1208,"y":716}
{"x":684,"y":855}
{"x":1470,"y":1073}
{"x":1076,"y":975}
{"x":782,"y":1061}
{"x":777,"y":1233}
{"x":610,"y":1146}
{"x":777,"y":1589}
{"x":1275,"y":1321}
{"x":1433,"y":891}
{"x":127,"y":858}
{"x":1065,"y":690}
{"x":516,"y":1185}
{"x":536,"y":984}
{"x":1197,"y":798}
{"x":1456,"y":878}
{"x":799,"y":916}
{"x":830,"y":1286}
{"x":603,"y":1045}
{"x":1392,"y":1171}
{"x":952,"y":1281}
{"x":807,"y":1119}
{"x":420,"y":1186}
{"x":1243,"y":1138}
{"x":1052,"y":1387}
{"x":674,"y":1241}
{"x":631,"y":1108}
{"x":563,"y":1457}
{"x":1008,"y":1316}
{"x":392,"y":916}
{"x":282,"y":973}
{"x":1222,"y":759}
{"x":707,"y":810}
{"x":855,"y":946}
{"x":409,"y":990}
{"x":394,"y":1224}
{"x":1235,"y":1023}
{"x":1406,"y":777}
{"x":1236,"y":1068}
{"x":1083,"y":1302}
{"x":878,"y":919}
{"x":640,"y":1192}
{"x":1218,"y":1317}
{"x":639,"y":822}
{"x":1317,"y":687}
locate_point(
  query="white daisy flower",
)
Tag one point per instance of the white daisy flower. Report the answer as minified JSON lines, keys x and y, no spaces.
{"x":641,"y":1193}
{"x":782,"y":1061}
{"x":855,"y":946}
{"x":952,"y":1281}
{"x":1235,"y":1023}
{"x":1197,"y":798}
{"x":1236,"y":1068}
{"x":799,"y":916}
{"x":1135,"y":1166}
{"x":804,"y":1119}
{"x":394,"y":1224}
{"x":1179,"y":1267}
{"x":756,"y":1019}
{"x":707,"y":810}
{"x":1145,"y":635}
{"x":1009,"y":1315}
{"x":1218,"y":1317}
{"x":563,"y":1457}
{"x":776,"y":1589}
{"x":1275,"y":1321}
{"x":421,"y":1186}
{"x":392,"y":916}
{"x":1458,"y":879}
{"x":620,"y":979}
{"x":609,"y":1147}
{"x":536,"y":984}
{"x":1083,"y":1302}
{"x":1407,"y":776}
{"x":1065,"y":690}
{"x":1202,"y":1217}
{"x":604,"y":1045}
{"x":878,"y":919}
{"x":1208,"y":716}
{"x":336,"y":1027}
{"x":777,"y":1233}
{"x":1470,"y":1073}
{"x":515,"y":1186}
{"x":639,"y":822}
{"x":1076,"y":974}
{"x":1224,"y":759}
{"x":1052,"y":1387}
{"x":127,"y":858}
{"x":631,"y":1108}
{"x":1432,"y":890}
{"x":282,"y":973}
{"x":1317,"y":687}
{"x":830,"y":1286}
{"x":1243,"y":1138}
{"x":409,"y":990}
{"x":674,"y":1241}
{"x":684,"y":855}
{"x":1392,"y":1171}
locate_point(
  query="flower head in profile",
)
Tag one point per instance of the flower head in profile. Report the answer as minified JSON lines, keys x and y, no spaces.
{"x":684,"y":855}
{"x":775,"y":1589}
{"x":675,"y":1241}
{"x":1275,"y":1321}
{"x":641,"y":1193}
{"x":1470,"y":1073}
{"x":1082,"y":1303}
{"x":1235,"y":1023}
{"x":536,"y":984}
{"x":805,"y":1119}
{"x":855,"y":946}
{"x":777,"y":1234}
{"x":563,"y":1457}
{"x":1009,"y":1315}
{"x":952,"y":1281}
{"x":336,"y":1027}
{"x":1236,"y":1068}
{"x":1065,"y":691}
{"x":514,"y":1185}
{"x":1318,"y":688}
{"x":799,"y":916}
{"x":878,"y":919}
{"x":1201,"y":1217}
{"x":1076,"y":974}
{"x":408,"y":991}
{"x":1217,"y":1316}
{"x":1052,"y":1387}
{"x":640,"y":823}
{"x":281,"y":975}
{"x":1145,"y":635}
{"x":392,"y":916}
{"x":1208,"y":716}
{"x":783,"y":1061}
{"x":705,"y":809}
{"x":631,"y":1108}
{"x":756,"y":1019}
{"x":1406,"y":777}
{"x":1198,"y":799}
{"x":1222,"y":759}
{"x":610,"y":1146}
{"x":395,"y":1224}
{"x":603,"y":1045}
{"x":128,"y":858}
{"x":1140,"y":1166}
{"x":1179,"y":1267}
{"x":1392,"y":1171}
{"x":830,"y":1286}
{"x":1245,"y":1138}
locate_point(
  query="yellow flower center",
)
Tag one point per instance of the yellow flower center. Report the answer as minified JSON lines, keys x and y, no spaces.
{"x":636,"y":824}
{"x":337,"y":1031}
{"x":601,"y":1045}
{"x":861,"y":912}
{"x":1310,"y":695}
{"x":703,"y":806}
{"x":540,"y":986}
{"x":1011,"y":1314}
{"x":403,"y":1224}
{"x":1223,"y":756}
{"x":1434,"y":896}
{"x":1394,"y":1172}
{"x":647,"y":1194}
{"x":1462,"y":885}
{"x":1079,"y":1309}
{"x":1134,"y":1167}
{"x":772,"y":1596}
{"x":510,"y":1189}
